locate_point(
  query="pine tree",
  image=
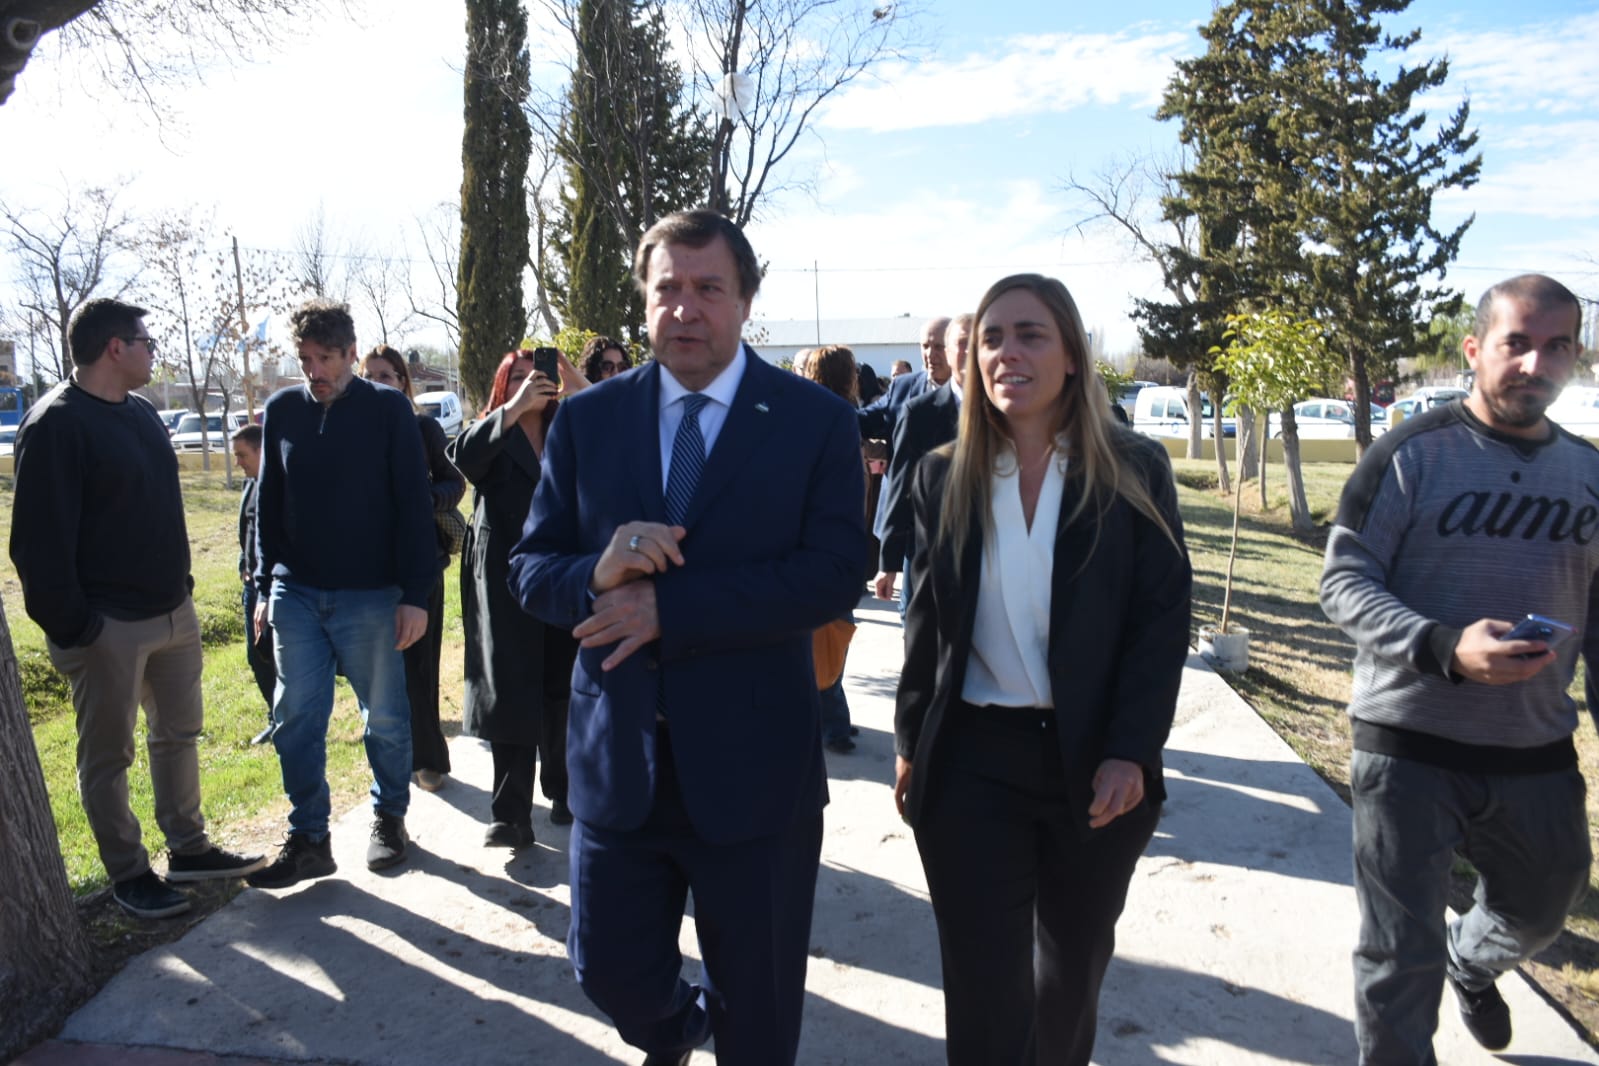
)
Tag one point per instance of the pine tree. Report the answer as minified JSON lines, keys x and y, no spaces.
{"x":1372,"y":254}
{"x":495,"y":147}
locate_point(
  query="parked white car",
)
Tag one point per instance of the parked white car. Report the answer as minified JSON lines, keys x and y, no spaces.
{"x":1424,"y":399}
{"x":1324,"y":419}
{"x":1577,"y":410}
{"x":445,"y":407}
{"x":188,"y":436}
{"x":8,"y":439}
{"x":1162,"y":411}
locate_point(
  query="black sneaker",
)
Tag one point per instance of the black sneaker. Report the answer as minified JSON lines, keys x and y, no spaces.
{"x":211,"y":864}
{"x":839,"y":745}
{"x":1486,"y":1014}
{"x":147,"y":896}
{"x":560,"y":813}
{"x":300,"y":859}
{"x":388,"y":842}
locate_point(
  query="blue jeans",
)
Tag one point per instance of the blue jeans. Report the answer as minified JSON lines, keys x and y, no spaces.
{"x":1527,"y":835}
{"x":312,"y":631}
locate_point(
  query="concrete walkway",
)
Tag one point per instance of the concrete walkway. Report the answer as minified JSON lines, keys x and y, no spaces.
{"x":1234,"y":948}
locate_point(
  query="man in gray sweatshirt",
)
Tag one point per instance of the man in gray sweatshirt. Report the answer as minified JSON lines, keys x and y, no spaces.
{"x":1455,"y":525}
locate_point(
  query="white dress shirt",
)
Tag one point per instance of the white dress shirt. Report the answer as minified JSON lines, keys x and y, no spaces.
{"x":720,"y":392}
{"x":1009,"y":661}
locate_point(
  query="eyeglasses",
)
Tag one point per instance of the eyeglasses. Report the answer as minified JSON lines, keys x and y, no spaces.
{"x":149,"y":342}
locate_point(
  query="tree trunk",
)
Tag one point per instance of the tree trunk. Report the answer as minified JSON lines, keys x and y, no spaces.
{"x":1222,"y":480}
{"x":1195,"y":426}
{"x":1248,"y":425}
{"x":1298,"y":505}
{"x":44,"y":955}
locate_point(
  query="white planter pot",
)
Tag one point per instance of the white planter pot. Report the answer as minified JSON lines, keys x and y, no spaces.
{"x":1227,"y":652}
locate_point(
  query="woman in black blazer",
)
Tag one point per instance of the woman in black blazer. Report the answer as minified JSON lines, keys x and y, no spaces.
{"x":1045,"y":640}
{"x":518,"y":670}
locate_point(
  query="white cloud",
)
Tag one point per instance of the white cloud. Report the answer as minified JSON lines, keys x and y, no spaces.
{"x":1544,"y":170}
{"x":1546,"y":67}
{"x":1037,"y":74}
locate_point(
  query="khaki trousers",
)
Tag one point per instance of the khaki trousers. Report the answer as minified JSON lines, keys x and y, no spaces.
{"x":156,"y":662}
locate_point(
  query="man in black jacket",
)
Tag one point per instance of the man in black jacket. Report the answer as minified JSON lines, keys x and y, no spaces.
{"x":927,"y":421}
{"x":257,"y":646}
{"x":346,"y":561}
{"x":99,"y":540}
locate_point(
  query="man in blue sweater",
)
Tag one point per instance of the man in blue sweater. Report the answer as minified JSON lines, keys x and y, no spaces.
{"x":345,"y":562}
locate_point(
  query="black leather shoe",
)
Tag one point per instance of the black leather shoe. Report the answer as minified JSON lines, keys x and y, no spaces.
{"x":669,"y":1060}
{"x":1486,"y":1014}
{"x":560,"y":813}
{"x":508,"y":835}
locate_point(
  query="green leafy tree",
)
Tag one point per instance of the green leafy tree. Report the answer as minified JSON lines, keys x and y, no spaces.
{"x":495,"y":146}
{"x":1270,"y":358}
{"x":1274,"y":360}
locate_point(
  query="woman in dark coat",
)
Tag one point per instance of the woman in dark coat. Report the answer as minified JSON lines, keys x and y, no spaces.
{"x":430,"y":752}
{"x":518,"y":670}
{"x":1044,"y":644}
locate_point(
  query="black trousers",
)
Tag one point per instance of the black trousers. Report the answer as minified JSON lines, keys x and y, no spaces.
{"x":258,"y":653}
{"x":512,"y":795}
{"x":429,"y":750}
{"x":1026,"y":908}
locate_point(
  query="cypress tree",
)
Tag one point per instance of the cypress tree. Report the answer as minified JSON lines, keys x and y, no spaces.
{"x":495,"y":146}
{"x":633,"y":153}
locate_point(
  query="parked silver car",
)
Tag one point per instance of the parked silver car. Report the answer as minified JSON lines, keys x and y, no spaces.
{"x":189,"y":437}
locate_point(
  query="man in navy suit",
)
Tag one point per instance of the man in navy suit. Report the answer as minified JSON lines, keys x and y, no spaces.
{"x":879,"y":416}
{"x":926,"y":422}
{"x":695,"y":520}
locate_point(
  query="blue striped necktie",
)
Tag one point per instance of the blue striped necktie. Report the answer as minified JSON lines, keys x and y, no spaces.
{"x":688,"y":459}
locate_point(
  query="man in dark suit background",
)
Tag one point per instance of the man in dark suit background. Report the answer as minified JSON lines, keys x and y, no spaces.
{"x":695,"y":520}
{"x":927,"y":421}
{"x":879,"y":416}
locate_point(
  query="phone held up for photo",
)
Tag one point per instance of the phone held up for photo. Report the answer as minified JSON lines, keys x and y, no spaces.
{"x":547,"y":361}
{"x":1537,"y":627}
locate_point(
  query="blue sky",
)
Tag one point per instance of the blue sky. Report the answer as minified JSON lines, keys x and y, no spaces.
{"x":929,"y":181}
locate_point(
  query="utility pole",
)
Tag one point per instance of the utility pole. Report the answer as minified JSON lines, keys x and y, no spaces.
{"x":244,"y":334}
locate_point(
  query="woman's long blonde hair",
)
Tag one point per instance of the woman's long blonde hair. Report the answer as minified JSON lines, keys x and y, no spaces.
{"x":1081,"y":417}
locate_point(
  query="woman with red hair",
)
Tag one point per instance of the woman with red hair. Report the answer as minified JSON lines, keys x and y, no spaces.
{"x":518,"y":670}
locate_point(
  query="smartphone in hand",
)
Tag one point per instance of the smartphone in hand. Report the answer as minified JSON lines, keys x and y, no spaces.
{"x":547,"y":361}
{"x":1537,"y":627}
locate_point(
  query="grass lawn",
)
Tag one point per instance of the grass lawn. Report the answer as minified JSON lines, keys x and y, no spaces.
{"x":1300,"y":668}
{"x":241,"y":787}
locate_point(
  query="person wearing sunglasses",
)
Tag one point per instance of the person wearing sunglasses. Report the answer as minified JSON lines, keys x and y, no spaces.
{"x":604,"y":357}
{"x":99,"y":540}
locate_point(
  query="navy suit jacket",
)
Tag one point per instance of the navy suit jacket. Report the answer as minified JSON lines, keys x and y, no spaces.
{"x":927,"y":421}
{"x":775,"y":547}
{"x":878,"y":417}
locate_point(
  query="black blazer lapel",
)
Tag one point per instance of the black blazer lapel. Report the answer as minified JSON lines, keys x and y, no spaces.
{"x":1073,"y":543}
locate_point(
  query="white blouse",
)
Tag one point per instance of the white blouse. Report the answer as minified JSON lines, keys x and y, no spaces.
{"x":1009,"y":661}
